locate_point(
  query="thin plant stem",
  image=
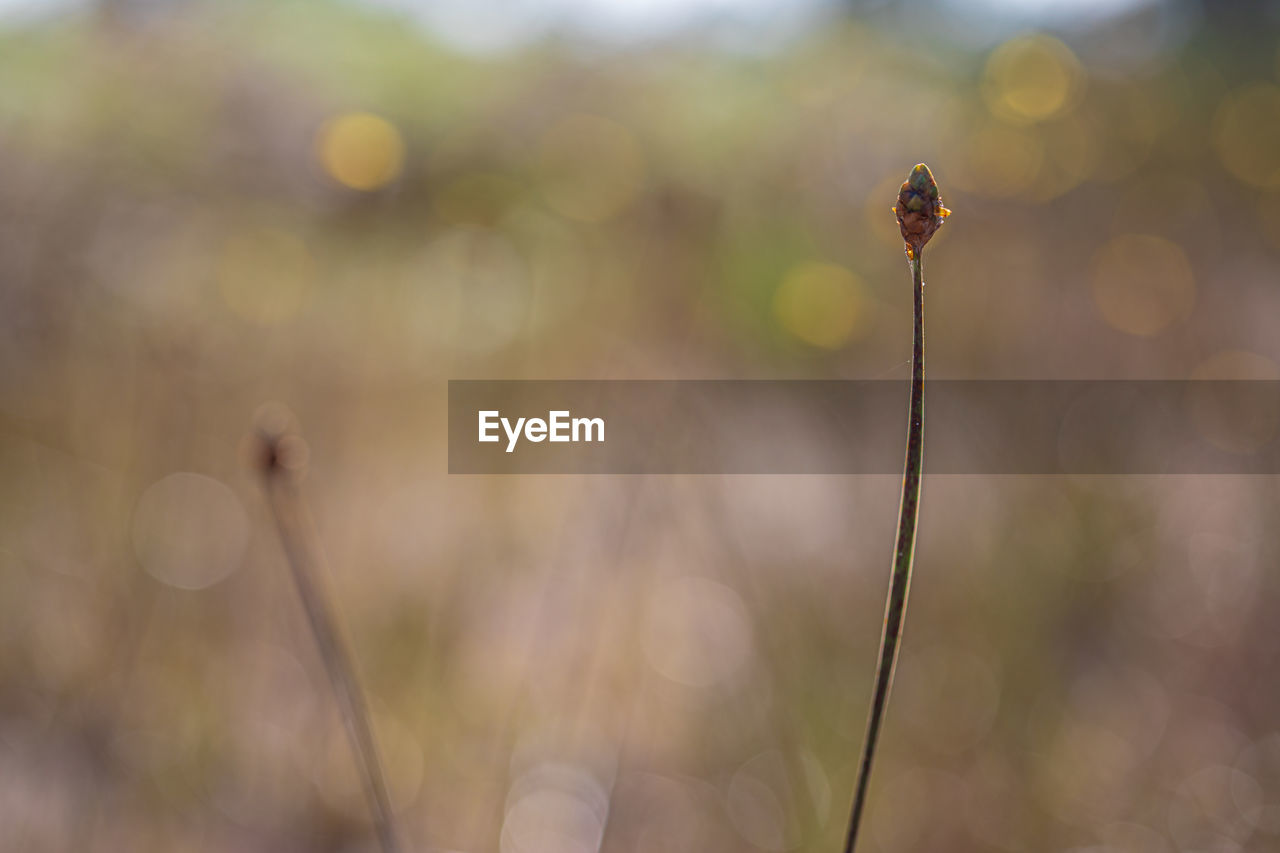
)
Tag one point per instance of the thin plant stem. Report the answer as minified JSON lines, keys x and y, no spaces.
{"x":900,"y":580}
{"x":282,"y":454}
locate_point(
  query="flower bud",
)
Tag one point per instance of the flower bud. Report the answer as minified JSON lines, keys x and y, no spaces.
{"x":919,"y":210}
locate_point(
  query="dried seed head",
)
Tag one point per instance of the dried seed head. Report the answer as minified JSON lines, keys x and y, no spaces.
{"x":919,"y":210}
{"x":275,"y":445}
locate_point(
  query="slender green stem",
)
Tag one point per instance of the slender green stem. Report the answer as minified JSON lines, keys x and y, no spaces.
{"x":900,"y":581}
{"x":306,"y":560}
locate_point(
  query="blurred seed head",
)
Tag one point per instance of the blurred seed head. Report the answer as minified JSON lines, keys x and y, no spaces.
{"x":276,"y":445}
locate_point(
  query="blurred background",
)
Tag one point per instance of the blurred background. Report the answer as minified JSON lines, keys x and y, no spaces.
{"x":341,"y":205}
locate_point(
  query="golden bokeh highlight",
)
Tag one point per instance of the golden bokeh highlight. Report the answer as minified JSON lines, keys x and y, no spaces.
{"x":263,"y":275}
{"x":1239,"y":413}
{"x":589,"y":168}
{"x":824,"y":305}
{"x":1031,"y":78}
{"x":1070,"y":155}
{"x":361,"y":151}
{"x":1001,"y":161}
{"x":1246,"y":135}
{"x":1142,"y":284}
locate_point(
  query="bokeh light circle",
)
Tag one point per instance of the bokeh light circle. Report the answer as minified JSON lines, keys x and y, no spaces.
{"x":1002,"y":161}
{"x":697,"y":632}
{"x":1246,"y":134}
{"x":1238,"y":413}
{"x":824,"y":305}
{"x":1142,"y":284}
{"x":361,"y":151}
{"x":1031,"y":78}
{"x":555,"y":808}
{"x":189,"y":531}
{"x":756,"y":803}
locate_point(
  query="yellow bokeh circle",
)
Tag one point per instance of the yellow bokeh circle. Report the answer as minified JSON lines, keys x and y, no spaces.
{"x":1031,"y":78}
{"x":1002,"y":161}
{"x":361,"y":151}
{"x":1246,"y":134}
{"x":1142,"y":284}
{"x":824,"y":305}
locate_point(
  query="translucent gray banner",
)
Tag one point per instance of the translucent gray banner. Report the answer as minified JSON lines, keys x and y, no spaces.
{"x":858,"y":427}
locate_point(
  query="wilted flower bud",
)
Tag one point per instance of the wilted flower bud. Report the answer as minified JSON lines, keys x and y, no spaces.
{"x":920,"y":211}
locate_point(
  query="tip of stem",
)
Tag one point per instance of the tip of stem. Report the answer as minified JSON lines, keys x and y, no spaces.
{"x":276,"y":445}
{"x":921,"y":179}
{"x":919,"y":209}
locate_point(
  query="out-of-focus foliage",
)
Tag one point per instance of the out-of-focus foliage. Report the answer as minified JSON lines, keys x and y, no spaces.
{"x":208,"y":206}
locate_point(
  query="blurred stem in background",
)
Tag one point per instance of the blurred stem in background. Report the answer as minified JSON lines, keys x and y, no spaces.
{"x":281,"y":460}
{"x":920,"y":213}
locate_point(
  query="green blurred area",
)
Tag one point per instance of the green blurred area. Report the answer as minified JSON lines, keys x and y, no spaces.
{"x":318,"y":204}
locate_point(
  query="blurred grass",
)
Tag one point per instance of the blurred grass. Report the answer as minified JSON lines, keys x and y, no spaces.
{"x":668,"y":663}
